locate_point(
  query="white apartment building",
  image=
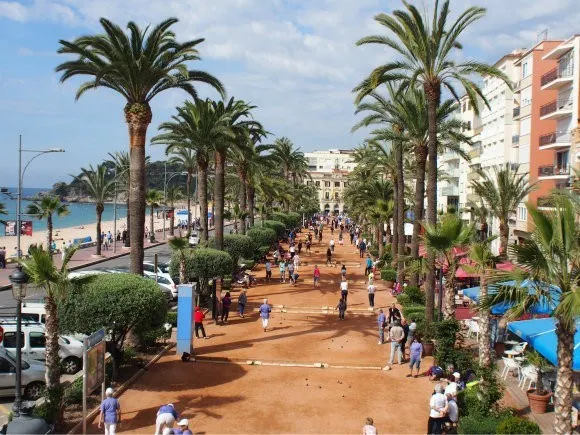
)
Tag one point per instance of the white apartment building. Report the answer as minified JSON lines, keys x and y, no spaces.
{"x":328,"y":171}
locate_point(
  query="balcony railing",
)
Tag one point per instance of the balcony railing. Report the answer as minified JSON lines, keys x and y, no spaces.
{"x":547,"y":171}
{"x":516,"y":112}
{"x":555,"y":137}
{"x":557,"y":73}
{"x":515,"y":139}
{"x":546,"y":201}
{"x":553,"y":106}
{"x":450,"y":191}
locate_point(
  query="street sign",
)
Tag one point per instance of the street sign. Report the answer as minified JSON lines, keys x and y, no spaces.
{"x":93,"y":367}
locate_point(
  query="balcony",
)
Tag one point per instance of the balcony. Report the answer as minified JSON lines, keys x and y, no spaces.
{"x":515,"y":140}
{"x":475,"y":151}
{"x":556,"y":139}
{"x":558,"y":77}
{"x":473,"y":176}
{"x":553,"y":172}
{"x":516,"y":112}
{"x":450,"y":191}
{"x":560,"y":108}
{"x":545,"y":202}
{"x":452,"y":173}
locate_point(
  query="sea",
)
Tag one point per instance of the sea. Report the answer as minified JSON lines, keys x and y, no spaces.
{"x":80,"y":213}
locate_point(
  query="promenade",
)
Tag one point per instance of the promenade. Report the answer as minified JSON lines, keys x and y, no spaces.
{"x":311,"y":373}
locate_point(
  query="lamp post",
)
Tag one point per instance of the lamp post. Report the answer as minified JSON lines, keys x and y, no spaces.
{"x":19,"y":281}
{"x":20,"y":182}
{"x":167,"y":180}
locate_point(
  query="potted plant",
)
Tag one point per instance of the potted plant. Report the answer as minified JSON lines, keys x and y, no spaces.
{"x":538,"y":397}
{"x":389,"y":275}
{"x":427,"y":333}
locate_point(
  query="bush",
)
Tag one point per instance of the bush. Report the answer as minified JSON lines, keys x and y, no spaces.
{"x":374,"y":252}
{"x":446,"y":336}
{"x":403,"y":299}
{"x":73,"y":394}
{"x":412,"y":309}
{"x":477,"y":425}
{"x":517,"y":425}
{"x":261,"y":237}
{"x":388,"y":274}
{"x":416,"y":295}
{"x":278,"y":227}
{"x":238,"y":246}
{"x":203,"y":263}
{"x":290,"y":220}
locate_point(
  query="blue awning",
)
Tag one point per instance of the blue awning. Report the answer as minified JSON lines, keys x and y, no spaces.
{"x":541,"y":335}
{"x":543,"y":307}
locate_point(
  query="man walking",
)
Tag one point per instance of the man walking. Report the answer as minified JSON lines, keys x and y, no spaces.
{"x":265,"y":311}
{"x":371,"y":289}
{"x":396,"y":335}
{"x":268,"y":271}
{"x":362,"y":248}
{"x":381,"y":321}
{"x":166,"y":417}
{"x":344,"y":289}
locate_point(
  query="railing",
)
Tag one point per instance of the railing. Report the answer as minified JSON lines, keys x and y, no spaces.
{"x":555,"y":137}
{"x":546,"y":201}
{"x":516,"y":112}
{"x":553,"y":106}
{"x":557,"y":73}
{"x":515,"y":139}
{"x":547,"y":171}
{"x":450,"y":191}
{"x":453,"y":173}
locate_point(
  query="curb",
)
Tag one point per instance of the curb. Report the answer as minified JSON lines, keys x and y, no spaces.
{"x":318,"y":365}
{"x":119,"y":391}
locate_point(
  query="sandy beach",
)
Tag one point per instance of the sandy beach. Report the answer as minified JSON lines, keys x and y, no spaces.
{"x":61,"y":235}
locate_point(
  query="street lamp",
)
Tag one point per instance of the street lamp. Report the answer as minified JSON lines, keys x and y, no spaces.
{"x":167,"y":180}
{"x":20,"y":182}
{"x":19,"y":281}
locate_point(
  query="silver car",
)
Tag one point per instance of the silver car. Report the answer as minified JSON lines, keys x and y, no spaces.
{"x":32,"y":376}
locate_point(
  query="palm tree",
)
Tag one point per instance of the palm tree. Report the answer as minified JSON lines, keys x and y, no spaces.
{"x":196,"y":126}
{"x":427,"y":49}
{"x":185,"y":157}
{"x":154,"y":199}
{"x":138,"y":66}
{"x":180,"y":245}
{"x":99,"y":186}
{"x":550,"y":257}
{"x":172,"y":195}
{"x":444,"y":239}
{"x":43,"y":273}
{"x":45,"y":208}
{"x":502,"y":194}
{"x":292,"y":160}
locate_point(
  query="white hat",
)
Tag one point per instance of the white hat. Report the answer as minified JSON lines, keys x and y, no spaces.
{"x":456,"y":374}
{"x":183,"y":422}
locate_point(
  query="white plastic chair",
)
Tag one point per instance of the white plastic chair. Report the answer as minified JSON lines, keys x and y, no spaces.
{"x":473,"y":329}
{"x":529,"y":374}
{"x":517,"y":350}
{"x":508,"y":365}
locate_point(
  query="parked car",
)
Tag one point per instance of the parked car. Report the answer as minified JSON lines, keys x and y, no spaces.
{"x":162,"y":270}
{"x":167,"y":287}
{"x":193,"y":239}
{"x":32,"y":373}
{"x":34,"y":345}
{"x":34,"y":311}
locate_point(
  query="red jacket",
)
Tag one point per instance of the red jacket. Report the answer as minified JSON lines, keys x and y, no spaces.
{"x":198,"y":315}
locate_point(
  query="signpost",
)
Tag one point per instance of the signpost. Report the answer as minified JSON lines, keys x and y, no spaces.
{"x":93,"y":368}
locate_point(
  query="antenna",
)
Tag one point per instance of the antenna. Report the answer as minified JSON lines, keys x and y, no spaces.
{"x":542,"y":35}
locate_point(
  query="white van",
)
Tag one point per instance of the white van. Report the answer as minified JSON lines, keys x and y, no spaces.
{"x":33,"y":345}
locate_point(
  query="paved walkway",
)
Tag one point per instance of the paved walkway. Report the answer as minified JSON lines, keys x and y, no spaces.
{"x":310,"y":373}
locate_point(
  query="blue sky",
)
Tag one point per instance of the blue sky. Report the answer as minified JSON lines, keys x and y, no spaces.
{"x":295,"y":59}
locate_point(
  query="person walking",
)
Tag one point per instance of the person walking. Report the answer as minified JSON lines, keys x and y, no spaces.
{"x":341,"y":307}
{"x":291,"y":272}
{"x":226,"y":304}
{"x":344,"y":289}
{"x":394,"y":315}
{"x":198,"y":316}
{"x":265,"y":311}
{"x":296,"y":262}
{"x":369,"y":427}
{"x":328,"y":257}
{"x":331,"y":245}
{"x":368,"y":265}
{"x":415,"y":355}
{"x":316,"y":276}
{"x":110,"y":415}
{"x":242,"y":301}
{"x":411,"y":334}
{"x":283,"y":271}
{"x":268,"y":266}
{"x":308,"y":244}
{"x":382,"y":322}
{"x":292,"y":250}
{"x":343,"y":271}
{"x":166,"y":417}
{"x":371,"y":290}
{"x":362,"y":248}
{"x":299,"y":247}
{"x":396,"y":335}
{"x":405,"y":327}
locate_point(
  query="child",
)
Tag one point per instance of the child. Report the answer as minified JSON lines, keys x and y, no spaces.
{"x":341,"y":307}
{"x":369,"y":428}
{"x":316,"y":276}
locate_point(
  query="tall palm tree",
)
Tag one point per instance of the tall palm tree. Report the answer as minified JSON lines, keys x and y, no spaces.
{"x":180,"y":245}
{"x":44,"y":274}
{"x":154,"y":199}
{"x":551,"y":256}
{"x":196,"y":126}
{"x":172,"y":195}
{"x":99,"y":186}
{"x":185,"y":157}
{"x":444,"y":239}
{"x":292,"y":160}
{"x":502,"y":194}
{"x":45,"y":208}
{"x":138,"y":65}
{"x":427,"y":59}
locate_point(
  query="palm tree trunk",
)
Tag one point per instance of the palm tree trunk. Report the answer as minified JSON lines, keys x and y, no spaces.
{"x":565,"y":380}
{"x":433,"y":94}
{"x":99,"y":238}
{"x":52,"y":375}
{"x":128,"y":239}
{"x":484,"y":330}
{"x":188,"y":194}
{"x":421,"y":160}
{"x":219,"y":186}
{"x":202,"y":198}
{"x":400,"y":213}
{"x":395,"y":238}
{"x":137,"y":186}
{"x":449,"y":309}
{"x":172,"y":220}
{"x":251,"y":203}
{"x":242,"y":198}
{"x":48,"y":232}
{"x":182,"y":266}
{"x":379,"y":232}
{"x":504,"y":234}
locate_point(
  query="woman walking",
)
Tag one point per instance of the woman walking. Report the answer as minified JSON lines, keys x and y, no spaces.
{"x":341,"y":307}
{"x":226,"y":304}
{"x":242,"y":301}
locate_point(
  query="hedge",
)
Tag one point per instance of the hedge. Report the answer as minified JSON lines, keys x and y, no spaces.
{"x":203,"y":263}
{"x":277,"y":226}
{"x":416,"y":295}
{"x":388,"y":274}
{"x":238,"y":246}
{"x":517,"y":425}
{"x":262,"y":239}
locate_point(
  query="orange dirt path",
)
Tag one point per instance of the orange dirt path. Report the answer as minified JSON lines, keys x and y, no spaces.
{"x":221,"y":393}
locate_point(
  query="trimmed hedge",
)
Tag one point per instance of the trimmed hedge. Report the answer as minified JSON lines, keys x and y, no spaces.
{"x":290,"y":220}
{"x":262,"y":240}
{"x":477,"y":425}
{"x":388,"y":274}
{"x":277,"y":226}
{"x":416,"y":295}
{"x":238,"y":246}
{"x":202,"y":263}
{"x":517,"y":425}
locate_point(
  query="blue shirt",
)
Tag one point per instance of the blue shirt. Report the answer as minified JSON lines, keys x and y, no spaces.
{"x":369,"y":262}
{"x":381,"y":319}
{"x":166,"y":409}
{"x":178,"y":431}
{"x":109,"y":408}
{"x":265,"y":311}
{"x":268,"y":266}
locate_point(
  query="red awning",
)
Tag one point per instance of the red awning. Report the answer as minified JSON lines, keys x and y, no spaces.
{"x":462,"y":274}
{"x":507,"y":266}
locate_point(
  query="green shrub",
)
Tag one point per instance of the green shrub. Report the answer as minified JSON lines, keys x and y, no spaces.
{"x":403,"y":299}
{"x":73,"y":394}
{"x":517,"y":425}
{"x":261,"y":237}
{"x":277,"y":226}
{"x":477,"y":425}
{"x":203,"y":263}
{"x":374,"y":252}
{"x":151,"y":337}
{"x":388,"y":274}
{"x":171,"y":318}
{"x":129,"y":355}
{"x":290,"y":220}
{"x":412,"y":309}
{"x":446,"y":336}
{"x":238,"y":246}
{"x":248,"y":264}
{"x":227,"y":283}
{"x":415,"y":294}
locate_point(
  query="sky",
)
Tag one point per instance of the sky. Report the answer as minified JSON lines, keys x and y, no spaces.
{"x":294,"y":59}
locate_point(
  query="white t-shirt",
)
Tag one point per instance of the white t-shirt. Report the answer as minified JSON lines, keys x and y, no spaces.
{"x":344,"y":285}
{"x":292,"y":249}
{"x":332,"y":242}
{"x":437,"y":403}
{"x":371,"y":288}
{"x":453,"y":410}
{"x":451,"y":388}
{"x":369,"y":429}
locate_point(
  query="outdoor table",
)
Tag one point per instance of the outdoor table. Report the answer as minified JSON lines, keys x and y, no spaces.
{"x":511,"y":342}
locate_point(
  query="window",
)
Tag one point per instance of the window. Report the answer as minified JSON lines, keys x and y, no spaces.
{"x":317,"y":183}
{"x":37,"y":340}
{"x":336,"y":195}
{"x":525,"y":126}
{"x":337,"y":184}
{"x":10,"y":340}
{"x":326,"y":195}
{"x":309,"y":183}
{"x":5,"y":366}
{"x":327,"y":184}
{"x":522,"y":213}
{"x":526,"y":98}
{"x":526,"y":68}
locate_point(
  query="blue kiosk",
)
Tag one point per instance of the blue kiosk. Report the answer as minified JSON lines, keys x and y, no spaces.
{"x":187,"y":294}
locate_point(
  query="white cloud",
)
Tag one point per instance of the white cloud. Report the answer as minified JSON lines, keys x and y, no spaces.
{"x":13,"y":11}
